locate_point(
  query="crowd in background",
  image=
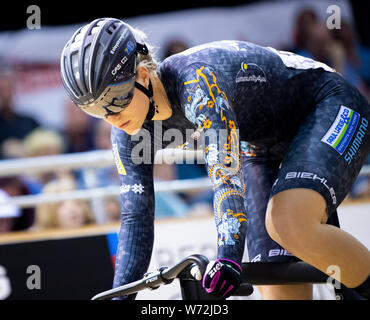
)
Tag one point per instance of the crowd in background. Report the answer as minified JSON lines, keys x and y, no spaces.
{"x":22,"y":136}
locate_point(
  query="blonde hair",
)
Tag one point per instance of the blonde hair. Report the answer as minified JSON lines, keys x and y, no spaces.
{"x":41,"y":138}
{"x":47,"y":214}
{"x":149,"y":61}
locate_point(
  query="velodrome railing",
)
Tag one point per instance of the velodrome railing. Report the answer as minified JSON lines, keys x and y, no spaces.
{"x":92,"y":160}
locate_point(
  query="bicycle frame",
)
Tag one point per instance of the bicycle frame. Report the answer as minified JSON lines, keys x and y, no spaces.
{"x":190,"y":287}
{"x":256,"y":273}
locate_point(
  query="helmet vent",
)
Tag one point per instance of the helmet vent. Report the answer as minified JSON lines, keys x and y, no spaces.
{"x":86,"y":64}
{"x":111,"y":29}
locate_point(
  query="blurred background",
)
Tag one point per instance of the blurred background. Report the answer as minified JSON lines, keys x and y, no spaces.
{"x":37,"y":120}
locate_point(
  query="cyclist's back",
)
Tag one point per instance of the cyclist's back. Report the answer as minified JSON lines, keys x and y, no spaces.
{"x":270,"y":91}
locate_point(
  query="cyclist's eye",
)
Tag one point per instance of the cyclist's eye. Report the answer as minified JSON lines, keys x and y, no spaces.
{"x":111,"y":115}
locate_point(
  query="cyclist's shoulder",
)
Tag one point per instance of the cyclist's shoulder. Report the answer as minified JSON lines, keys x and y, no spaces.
{"x":211,"y":53}
{"x":222,"y":58}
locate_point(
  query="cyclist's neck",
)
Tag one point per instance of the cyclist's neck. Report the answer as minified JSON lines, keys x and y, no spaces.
{"x":164,"y":110}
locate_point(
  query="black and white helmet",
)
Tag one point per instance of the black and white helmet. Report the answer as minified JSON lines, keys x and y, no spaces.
{"x":98,"y":66}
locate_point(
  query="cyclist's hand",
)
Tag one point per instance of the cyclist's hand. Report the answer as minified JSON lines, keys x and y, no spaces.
{"x":222,"y":277}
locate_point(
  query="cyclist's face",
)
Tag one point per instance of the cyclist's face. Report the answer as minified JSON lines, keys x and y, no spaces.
{"x":131,"y":119}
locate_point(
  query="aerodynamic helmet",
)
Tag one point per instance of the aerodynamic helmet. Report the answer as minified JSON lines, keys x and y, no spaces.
{"x":98,"y":66}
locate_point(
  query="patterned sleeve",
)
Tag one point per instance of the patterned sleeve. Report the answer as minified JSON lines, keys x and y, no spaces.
{"x":207,"y":105}
{"x":136,"y":235}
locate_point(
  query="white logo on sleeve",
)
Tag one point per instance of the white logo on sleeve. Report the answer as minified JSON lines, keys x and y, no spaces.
{"x":125,"y":188}
{"x":137,"y":188}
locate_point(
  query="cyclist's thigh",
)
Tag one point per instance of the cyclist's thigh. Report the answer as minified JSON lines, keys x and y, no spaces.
{"x":259,"y":175}
{"x":329,"y":149}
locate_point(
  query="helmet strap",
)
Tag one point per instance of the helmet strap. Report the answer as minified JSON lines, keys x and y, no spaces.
{"x":142,"y":48}
{"x":149,"y":93}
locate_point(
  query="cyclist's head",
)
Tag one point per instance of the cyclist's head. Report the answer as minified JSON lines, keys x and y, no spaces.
{"x":98,"y":66}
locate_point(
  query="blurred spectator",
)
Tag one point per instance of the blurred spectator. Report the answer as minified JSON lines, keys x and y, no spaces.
{"x":337,"y":47}
{"x":200,"y":202}
{"x":43,"y":142}
{"x":13,"y":126}
{"x":18,"y":218}
{"x":12,"y":148}
{"x":66,"y":214}
{"x":174,"y":46}
{"x":303,"y":22}
{"x":361,"y":188}
{"x":101,"y":135}
{"x":169,"y":203}
{"x":105,"y":176}
{"x":112,"y":209}
{"x":101,"y":141}
{"x":315,"y":42}
{"x":356,"y":64}
{"x":78,"y":132}
{"x":8,"y":213}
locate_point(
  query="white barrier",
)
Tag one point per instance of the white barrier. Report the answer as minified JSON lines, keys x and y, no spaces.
{"x":94,"y":159}
{"x":98,"y":159}
{"x":199,"y":184}
{"x":90,"y":161}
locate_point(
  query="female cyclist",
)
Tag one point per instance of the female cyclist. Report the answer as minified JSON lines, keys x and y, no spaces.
{"x":284,"y":138}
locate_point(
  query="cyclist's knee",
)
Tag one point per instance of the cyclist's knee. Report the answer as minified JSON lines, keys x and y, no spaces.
{"x":291,"y":213}
{"x":278,"y":225}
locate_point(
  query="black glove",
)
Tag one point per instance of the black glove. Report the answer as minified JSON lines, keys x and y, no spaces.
{"x":222,"y":277}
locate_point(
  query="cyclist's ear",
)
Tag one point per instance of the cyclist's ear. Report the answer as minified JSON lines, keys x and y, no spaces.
{"x":143,"y":76}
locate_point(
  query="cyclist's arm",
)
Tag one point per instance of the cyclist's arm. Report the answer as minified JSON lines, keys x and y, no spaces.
{"x":207,"y":105}
{"x":136,"y":236}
